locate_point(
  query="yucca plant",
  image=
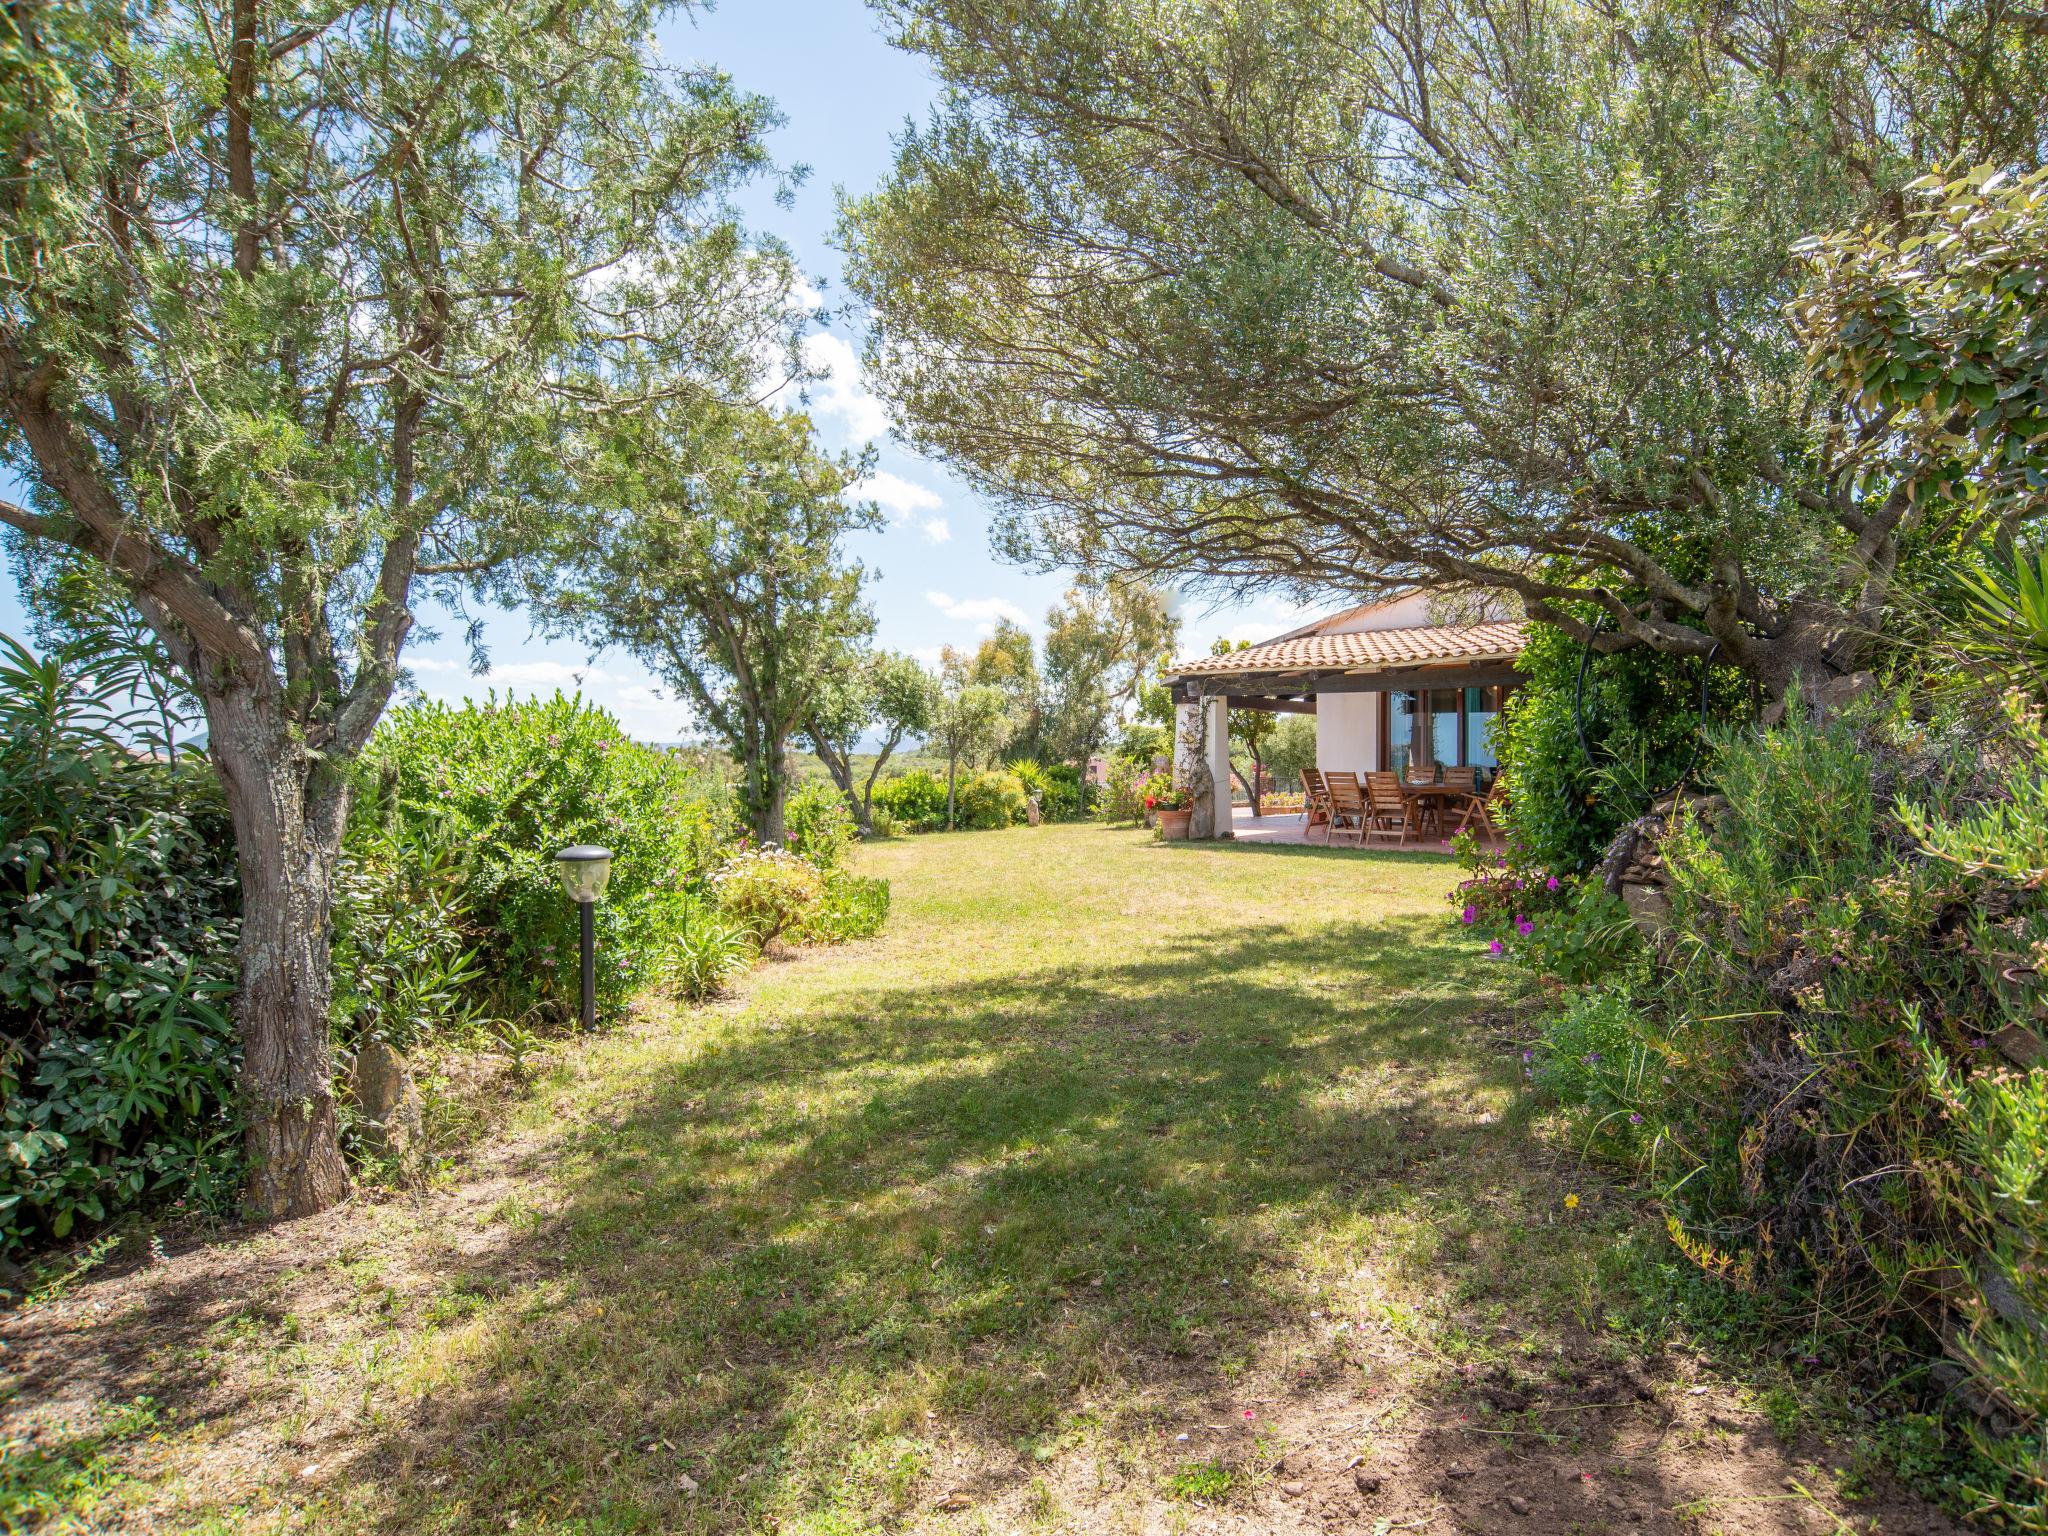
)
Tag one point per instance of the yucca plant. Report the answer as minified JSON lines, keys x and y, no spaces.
{"x":2005,"y":625}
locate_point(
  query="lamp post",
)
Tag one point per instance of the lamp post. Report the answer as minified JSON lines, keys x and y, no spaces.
{"x":584,"y":870}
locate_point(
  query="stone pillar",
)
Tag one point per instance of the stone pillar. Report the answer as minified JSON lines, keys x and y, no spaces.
{"x":1191,"y":764}
{"x":1219,"y":765}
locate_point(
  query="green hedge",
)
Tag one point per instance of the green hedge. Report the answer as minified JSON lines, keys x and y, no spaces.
{"x":509,"y":785}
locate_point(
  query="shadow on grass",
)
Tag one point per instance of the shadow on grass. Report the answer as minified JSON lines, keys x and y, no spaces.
{"x":902,"y":1238}
{"x":1010,"y":1212}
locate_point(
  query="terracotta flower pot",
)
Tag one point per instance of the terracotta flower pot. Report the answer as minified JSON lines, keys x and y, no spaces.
{"x":1173,"y":825}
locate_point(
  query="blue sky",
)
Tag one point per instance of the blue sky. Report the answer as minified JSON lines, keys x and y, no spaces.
{"x":934,"y":580}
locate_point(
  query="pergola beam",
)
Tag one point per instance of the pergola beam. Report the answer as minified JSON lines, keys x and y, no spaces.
{"x":1234,"y":685}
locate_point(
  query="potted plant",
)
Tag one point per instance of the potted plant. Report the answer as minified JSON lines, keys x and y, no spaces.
{"x":1174,"y":805}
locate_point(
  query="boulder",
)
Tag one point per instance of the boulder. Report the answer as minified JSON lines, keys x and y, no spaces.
{"x":382,"y":1089}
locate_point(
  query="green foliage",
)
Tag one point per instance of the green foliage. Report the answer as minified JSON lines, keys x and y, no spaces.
{"x":117,"y":1060}
{"x":850,"y":907}
{"x":719,"y":562}
{"x":1941,"y":327}
{"x":989,"y":800}
{"x":1058,"y":786}
{"x":1641,"y":716}
{"x":1123,"y":797}
{"x":708,"y":952}
{"x":1125,"y":277}
{"x":915,"y":801}
{"x":2004,"y":626}
{"x":404,"y":950}
{"x":766,"y":890}
{"x":510,"y":785}
{"x":1815,"y":1078}
{"x":818,"y":825}
{"x":1291,"y":749}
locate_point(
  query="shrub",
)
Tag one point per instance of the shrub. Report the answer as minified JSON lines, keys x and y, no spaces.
{"x":405,"y":953}
{"x":708,"y":951}
{"x":765,"y":890}
{"x":1123,"y":797}
{"x":883,"y":824}
{"x":986,"y":801}
{"x":1821,"y":1079}
{"x":1642,"y":713}
{"x":1058,"y":786}
{"x":513,"y":783}
{"x":117,"y":1061}
{"x":916,"y":800}
{"x":818,"y":825}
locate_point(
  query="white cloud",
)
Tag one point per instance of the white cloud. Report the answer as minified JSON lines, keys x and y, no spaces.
{"x":981,"y":612}
{"x":937,"y":529}
{"x":845,"y":393}
{"x":902,"y":498}
{"x":930,"y":655}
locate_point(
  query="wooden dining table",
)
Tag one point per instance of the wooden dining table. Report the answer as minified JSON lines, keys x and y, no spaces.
{"x":1431,"y":801}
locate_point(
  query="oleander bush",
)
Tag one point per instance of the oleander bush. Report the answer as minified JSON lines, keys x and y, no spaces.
{"x":512,"y":783}
{"x":117,"y":1058}
{"x":818,"y":824}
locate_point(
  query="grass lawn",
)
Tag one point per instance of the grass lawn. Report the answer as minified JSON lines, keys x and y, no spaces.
{"x":1118,"y":1186}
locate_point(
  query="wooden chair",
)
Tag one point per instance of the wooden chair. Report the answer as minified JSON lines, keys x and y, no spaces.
{"x":1463,"y":783}
{"x":1480,"y":808}
{"x":1315,"y":801}
{"x":1347,"y":806}
{"x":1389,"y":812}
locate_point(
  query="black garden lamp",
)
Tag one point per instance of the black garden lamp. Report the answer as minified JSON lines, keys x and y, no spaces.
{"x":584,"y":870}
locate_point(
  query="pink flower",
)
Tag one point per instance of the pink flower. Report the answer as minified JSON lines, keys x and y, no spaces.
{"x":1470,"y":914}
{"x":1249,"y":1414}
{"x":1496,"y":948}
{"x":1550,"y":884}
{"x":1524,"y":927}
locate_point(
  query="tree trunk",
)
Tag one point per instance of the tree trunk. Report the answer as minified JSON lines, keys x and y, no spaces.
{"x":288,"y":809}
{"x":952,"y":758}
{"x":866,"y":809}
{"x":840,"y":766}
{"x":771,"y":793}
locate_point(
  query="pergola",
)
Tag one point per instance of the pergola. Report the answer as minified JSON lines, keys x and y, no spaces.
{"x":1309,"y":672}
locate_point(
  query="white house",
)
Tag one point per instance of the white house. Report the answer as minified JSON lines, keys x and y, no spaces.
{"x":1389,"y":689}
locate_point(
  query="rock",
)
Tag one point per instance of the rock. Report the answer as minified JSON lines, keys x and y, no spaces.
{"x":1294,"y":1490}
{"x":1649,"y":908}
{"x":383,"y":1091}
{"x":1518,"y":1504}
{"x":1457,"y":1470}
{"x":1368,"y":1482}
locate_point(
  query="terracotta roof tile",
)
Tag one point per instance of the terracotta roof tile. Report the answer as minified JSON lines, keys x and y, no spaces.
{"x":1367,"y":650}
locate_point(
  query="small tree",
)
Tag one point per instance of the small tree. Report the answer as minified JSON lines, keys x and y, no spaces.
{"x":1007,"y":661}
{"x":294,"y":306}
{"x":971,"y":721}
{"x":719,"y":566}
{"x":1097,"y":641}
{"x":886,"y":691}
{"x":1291,"y":748}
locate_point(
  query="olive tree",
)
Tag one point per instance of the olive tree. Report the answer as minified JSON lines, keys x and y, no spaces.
{"x":295,"y":306}
{"x":1356,"y":294}
{"x":883,"y":691}
{"x":717,"y":559}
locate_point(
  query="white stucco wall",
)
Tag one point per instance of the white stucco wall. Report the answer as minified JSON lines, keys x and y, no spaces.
{"x":1348,"y":732}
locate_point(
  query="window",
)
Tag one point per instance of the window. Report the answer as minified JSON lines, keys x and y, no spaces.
{"x":1482,"y":713}
{"x":1443,"y":728}
{"x":1402,"y":708}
